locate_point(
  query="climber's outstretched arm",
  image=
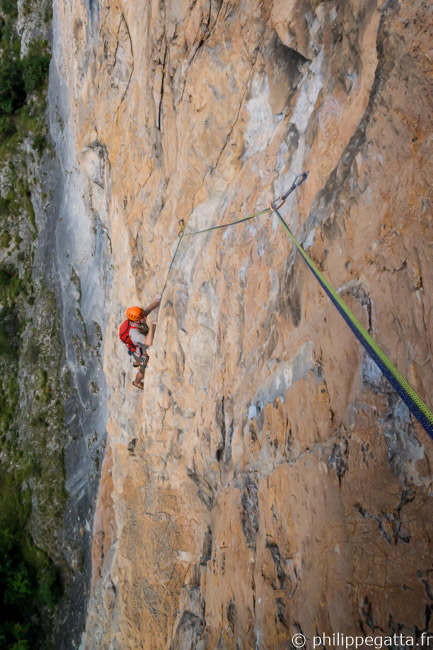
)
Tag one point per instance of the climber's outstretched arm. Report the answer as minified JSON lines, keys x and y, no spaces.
{"x":153,"y":305}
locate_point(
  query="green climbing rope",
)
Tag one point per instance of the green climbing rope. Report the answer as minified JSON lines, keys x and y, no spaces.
{"x":299,"y":179}
{"x":403,"y":388}
{"x":394,"y":376}
{"x":226,"y":225}
{"x":199,"y":232}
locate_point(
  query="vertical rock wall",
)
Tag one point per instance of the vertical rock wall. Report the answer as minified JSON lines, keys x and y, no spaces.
{"x":78,"y":247}
{"x":268,"y":480}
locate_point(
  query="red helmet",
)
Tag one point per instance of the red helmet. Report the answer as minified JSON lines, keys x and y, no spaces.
{"x":135,"y":313}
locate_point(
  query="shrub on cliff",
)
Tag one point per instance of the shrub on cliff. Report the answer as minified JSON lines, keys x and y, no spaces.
{"x":16,"y":588}
{"x":7,"y":127}
{"x":26,"y":589}
{"x":12,"y":90}
{"x":20,"y":78}
{"x":8,"y":343}
{"x":9,"y":8}
{"x":35,"y":67}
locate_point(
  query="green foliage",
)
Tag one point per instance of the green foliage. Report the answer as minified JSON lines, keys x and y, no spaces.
{"x":21,"y":81}
{"x":7,"y":127}
{"x":4,"y":206}
{"x":10,"y":8}
{"x":8,"y":334}
{"x":5,"y":239}
{"x":11,"y":285}
{"x":26,"y":121}
{"x":26,"y":7}
{"x":29,"y":582}
{"x":40,"y":143}
{"x":12,"y":89}
{"x":19,"y":78}
{"x":29,"y":452}
{"x":8,"y":398}
{"x":27,"y":586}
{"x":21,"y":645}
{"x":35,"y":67}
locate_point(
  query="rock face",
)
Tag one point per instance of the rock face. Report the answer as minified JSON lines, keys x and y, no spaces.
{"x":77,"y":245}
{"x":268,"y":481}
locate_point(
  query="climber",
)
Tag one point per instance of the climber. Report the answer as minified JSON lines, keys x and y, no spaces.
{"x":141,"y":335}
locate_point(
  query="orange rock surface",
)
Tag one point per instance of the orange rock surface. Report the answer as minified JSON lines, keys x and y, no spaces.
{"x":268,"y":481}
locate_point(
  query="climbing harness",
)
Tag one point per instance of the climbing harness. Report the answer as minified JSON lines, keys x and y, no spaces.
{"x":396,"y":379}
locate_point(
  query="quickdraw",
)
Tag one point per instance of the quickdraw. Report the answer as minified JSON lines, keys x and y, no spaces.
{"x":396,"y":379}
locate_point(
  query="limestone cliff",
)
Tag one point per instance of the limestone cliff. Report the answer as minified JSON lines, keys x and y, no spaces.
{"x":268,"y":481}
{"x":52,"y":400}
